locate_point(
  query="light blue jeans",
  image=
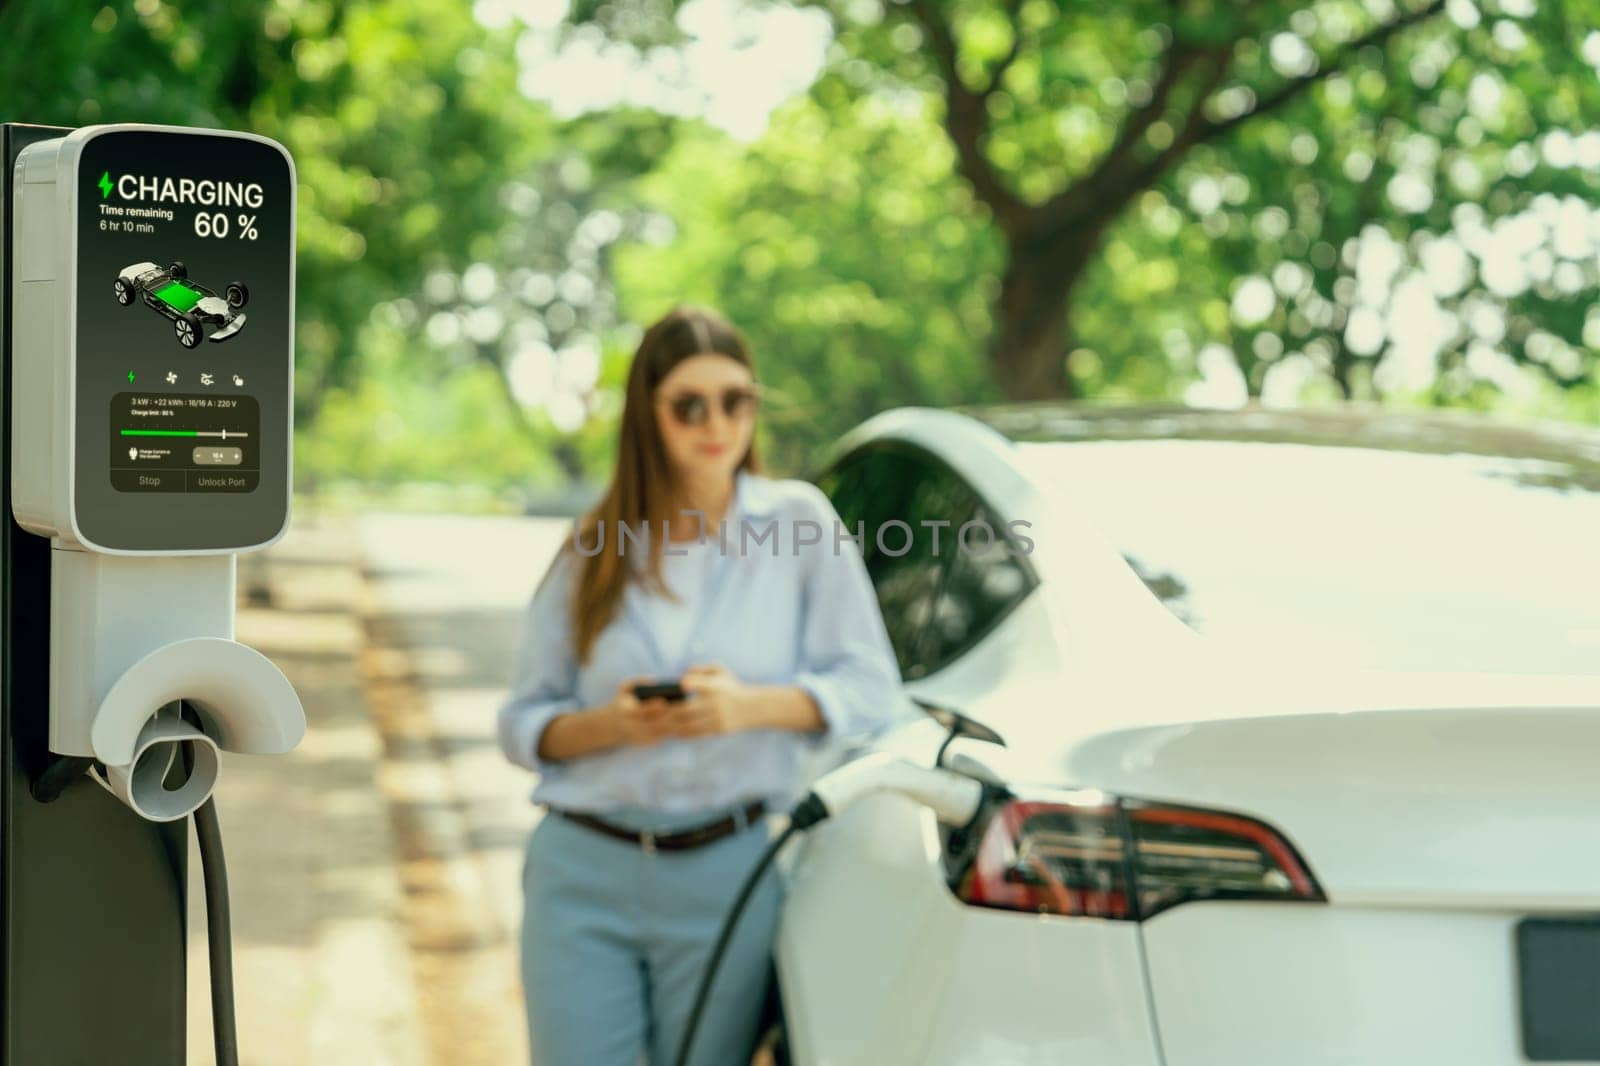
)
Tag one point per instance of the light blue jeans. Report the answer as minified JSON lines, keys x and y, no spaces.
{"x":615,"y":940}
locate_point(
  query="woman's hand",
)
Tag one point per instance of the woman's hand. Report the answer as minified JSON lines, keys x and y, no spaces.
{"x":636,"y":721}
{"x":717,"y":703}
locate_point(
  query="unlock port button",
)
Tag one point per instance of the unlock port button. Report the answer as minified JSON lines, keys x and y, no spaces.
{"x":209,"y":456}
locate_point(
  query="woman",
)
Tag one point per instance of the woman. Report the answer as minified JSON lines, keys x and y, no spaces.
{"x":757,"y":602}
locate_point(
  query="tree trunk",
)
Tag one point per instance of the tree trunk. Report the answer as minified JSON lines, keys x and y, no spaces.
{"x":1029,"y":352}
{"x":1344,"y":360}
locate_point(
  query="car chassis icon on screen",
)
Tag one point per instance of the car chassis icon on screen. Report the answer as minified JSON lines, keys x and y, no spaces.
{"x":193,"y":308}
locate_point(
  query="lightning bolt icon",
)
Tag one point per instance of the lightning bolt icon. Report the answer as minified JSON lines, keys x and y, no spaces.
{"x":105,"y":184}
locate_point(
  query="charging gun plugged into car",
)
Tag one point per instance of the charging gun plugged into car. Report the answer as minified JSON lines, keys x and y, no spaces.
{"x":142,"y":468}
{"x":957,"y":792}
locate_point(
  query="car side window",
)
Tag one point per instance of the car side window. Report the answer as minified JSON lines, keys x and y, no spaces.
{"x":908,"y":507}
{"x":985,"y":579}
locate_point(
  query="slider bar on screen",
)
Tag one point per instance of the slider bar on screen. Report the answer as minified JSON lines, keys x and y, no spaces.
{"x":223,"y":433}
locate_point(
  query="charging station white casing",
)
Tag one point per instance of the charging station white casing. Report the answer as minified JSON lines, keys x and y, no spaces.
{"x":132,"y":632}
{"x":40,"y":470}
{"x":44,"y":324}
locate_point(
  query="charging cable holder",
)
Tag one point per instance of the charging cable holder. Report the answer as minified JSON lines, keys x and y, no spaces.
{"x":144,"y":633}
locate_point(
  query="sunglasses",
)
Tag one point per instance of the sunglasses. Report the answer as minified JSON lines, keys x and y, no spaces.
{"x":692,"y":408}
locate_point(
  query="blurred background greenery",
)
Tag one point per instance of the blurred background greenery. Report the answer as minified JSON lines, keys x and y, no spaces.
{"x":899,"y":201}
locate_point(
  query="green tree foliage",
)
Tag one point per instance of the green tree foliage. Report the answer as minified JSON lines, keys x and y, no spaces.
{"x":976,"y":199}
{"x":395,"y":112}
{"x":1430,"y":234}
{"x":1186,"y":186}
{"x":841,"y":245}
{"x":418,"y":159}
{"x":536,"y":303}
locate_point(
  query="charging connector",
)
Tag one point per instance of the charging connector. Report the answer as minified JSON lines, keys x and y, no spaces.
{"x":954,"y":797}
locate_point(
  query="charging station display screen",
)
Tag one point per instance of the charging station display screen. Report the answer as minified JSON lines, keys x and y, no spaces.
{"x":175,"y":443}
{"x":183,"y":358}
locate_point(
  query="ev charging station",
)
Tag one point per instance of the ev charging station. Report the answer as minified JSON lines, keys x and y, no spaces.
{"x":149,"y":351}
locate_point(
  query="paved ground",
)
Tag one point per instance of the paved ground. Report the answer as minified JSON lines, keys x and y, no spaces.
{"x":321,"y":968}
{"x":445,"y":595}
{"x":451,"y":591}
{"x":375,"y":870}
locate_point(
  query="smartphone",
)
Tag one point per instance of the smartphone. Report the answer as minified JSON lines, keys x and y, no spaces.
{"x":659,"y":690}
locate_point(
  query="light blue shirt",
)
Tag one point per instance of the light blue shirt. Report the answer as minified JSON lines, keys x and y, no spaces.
{"x":774,"y":611}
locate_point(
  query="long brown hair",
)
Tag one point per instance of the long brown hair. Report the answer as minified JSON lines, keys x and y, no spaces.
{"x":642,"y":485}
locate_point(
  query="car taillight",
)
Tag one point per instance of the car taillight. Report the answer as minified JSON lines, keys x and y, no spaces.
{"x":1098,"y":856}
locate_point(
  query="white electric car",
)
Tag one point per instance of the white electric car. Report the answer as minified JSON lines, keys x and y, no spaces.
{"x":1300,"y":716}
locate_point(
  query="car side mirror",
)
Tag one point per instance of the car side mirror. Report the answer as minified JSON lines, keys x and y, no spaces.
{"x":956,"y":724}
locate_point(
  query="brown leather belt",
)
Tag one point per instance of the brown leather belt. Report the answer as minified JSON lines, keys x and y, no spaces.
{"x":681,"y":840}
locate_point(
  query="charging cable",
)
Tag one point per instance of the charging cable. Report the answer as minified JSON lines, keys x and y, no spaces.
{"x":726,"y":934}
{"x":219,"y":938}
{"x":214,"y":876}
{"x":219,"y":921}
{"x":954,"y":798}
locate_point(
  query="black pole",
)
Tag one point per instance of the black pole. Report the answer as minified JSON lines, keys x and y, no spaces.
{"x":92,"y":896}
